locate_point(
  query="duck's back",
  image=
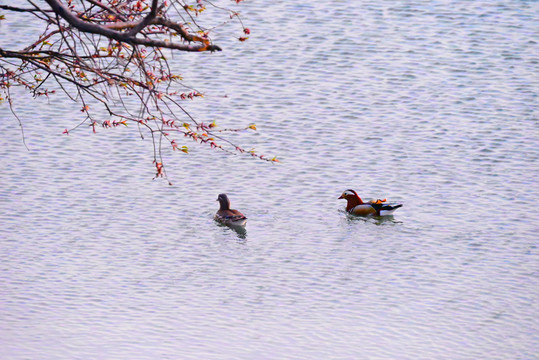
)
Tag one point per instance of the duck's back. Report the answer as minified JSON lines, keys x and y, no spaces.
{"x":231,"y":216}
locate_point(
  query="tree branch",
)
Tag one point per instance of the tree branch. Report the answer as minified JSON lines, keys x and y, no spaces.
{"x":103,"y":51}
{"x":62,"y":11}
{"x":105,"y":7}
{"x":108,"y":31}
{"x":17,"y":9}
{"x":146,"y":21}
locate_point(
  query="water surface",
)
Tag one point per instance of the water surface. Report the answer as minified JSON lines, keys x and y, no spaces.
{"x":432,"y":104}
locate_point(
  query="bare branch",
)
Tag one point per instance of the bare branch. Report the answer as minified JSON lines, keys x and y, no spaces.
{"x":17,"y":9}
{"x":18,"y":119}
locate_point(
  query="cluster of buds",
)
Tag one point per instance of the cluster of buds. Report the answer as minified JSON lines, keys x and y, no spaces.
{"x":203,"y":139}
{"x":261,"y":157}
{"x":45,"y":92}
{"x":205,"y":127}
{"x":195,"y":9}
{"x":175,"y":146}
{"x":190,"y":95}
{"x":159,"y":167}
{"x":107,"y":124}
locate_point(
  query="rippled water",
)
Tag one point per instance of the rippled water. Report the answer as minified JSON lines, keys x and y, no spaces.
{"x":431,"y":103}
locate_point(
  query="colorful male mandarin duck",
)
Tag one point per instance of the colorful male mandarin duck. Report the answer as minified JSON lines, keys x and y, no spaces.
{"x":356,"y":206}
{"x":228,"y":216}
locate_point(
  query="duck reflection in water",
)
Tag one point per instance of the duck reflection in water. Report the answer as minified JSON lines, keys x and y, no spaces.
{"x":240,"y":230}
{"x":376,"y":220}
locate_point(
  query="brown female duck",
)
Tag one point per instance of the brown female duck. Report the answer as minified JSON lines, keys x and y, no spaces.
{"x":228,"y":216}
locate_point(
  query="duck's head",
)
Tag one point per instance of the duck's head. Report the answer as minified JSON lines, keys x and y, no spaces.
{"x":224,"y":202}
{"x":351,"y":195}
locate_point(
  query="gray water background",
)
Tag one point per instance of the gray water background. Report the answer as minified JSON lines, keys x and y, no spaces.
{"x":429,"y":103}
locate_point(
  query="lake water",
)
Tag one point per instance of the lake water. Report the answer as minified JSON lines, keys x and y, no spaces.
{"x":429,"y":103}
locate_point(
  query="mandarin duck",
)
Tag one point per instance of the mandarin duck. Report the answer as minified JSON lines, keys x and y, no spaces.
{"x":228,"y":216}
{"x":356,"y":206}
